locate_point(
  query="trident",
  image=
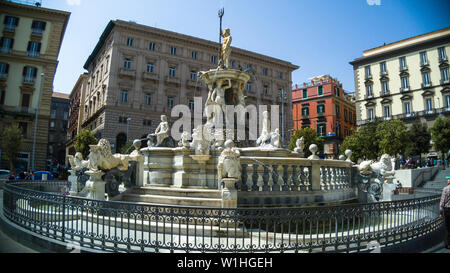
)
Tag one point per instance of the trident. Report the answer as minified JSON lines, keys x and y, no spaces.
{"x":220,"y":13}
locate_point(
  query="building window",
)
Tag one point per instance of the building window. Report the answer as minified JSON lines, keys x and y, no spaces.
{"x":152,"y":46}
{"x":320,"y":91}
{"x":444,"y":75}
{"x":6,"y":45}
{"x":66,"y":115}
{"x":194,"y":55}
{"x":321,"y":108}
{"x":383,"y":68}
{"x":336,"y":91}
{"x":305,"y":111}
{"x":305,"y":93}
{"x":148,"y":99}
{"x":38,"y":27}
{"x":213,"y":59}
{"x":127,"y":63}
{"x":423,"y":58}
{"x":265,"y":71}
{"x":447,"y":101}
{"x":266,"y":89}
{"x":385,"y":87}
{"x":426,"y":79}
{"x":172,"y":71}
{"x":407,"y":107}
{"x":193,"y":75}
{"x":369,"y":91}
{"x":170,"y":102}
{"x":29,"y":74}
{"x":53,"y":113}
{"x":429,"y":104}
{"x":191,"y":105}
{"x":249,"y":66}
{"x":124,"y":96}
{"x":368,"y":73}
{"x":405,"y":83}
{"x":249,"y":86}
{"x":4,"y":70}
{"x":232,"y":63}
{"x":403,"y":65}
{"x":387,"y":112}
{"x":173,"y":50}
{"x":33,"y":49}
{"x":321,"y":129}
{"x":442,"y":55}
{"x":338,"y":111}
{"x":10,"y":23}
{"x":150,"y":67}
{"x":345,"y":115}
{"x":280,"y":75}
{"x":129,"y":41}
{"x":147,"y":122}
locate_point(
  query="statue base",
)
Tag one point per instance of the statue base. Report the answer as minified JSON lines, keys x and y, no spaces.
{"x":229,"y":193}
{"x":95,"y":186}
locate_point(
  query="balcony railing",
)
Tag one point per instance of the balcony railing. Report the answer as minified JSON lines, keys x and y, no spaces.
{"x":404,"y":89}
{"x":5,"y":50}
{"x":426,"y":85}
{"x":29,"y":80}
{"x":3,"y":76}
{"x":127,"y":72}
{"x":149,"y":76}
{"x":403,"y":68}
{"x":9,"y":27}
{"x":37,"y":31}
{"x":33,"y":54}
{"x":442,"y":82}
{"x":17,"y":110}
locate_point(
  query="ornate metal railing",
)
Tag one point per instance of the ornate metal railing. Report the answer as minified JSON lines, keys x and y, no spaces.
{"x":129,"y":227}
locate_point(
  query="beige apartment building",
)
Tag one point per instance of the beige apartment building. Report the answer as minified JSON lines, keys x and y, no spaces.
{"x":136,"y":73}
{"x":31,"y":38}
{"x":407,"y":80}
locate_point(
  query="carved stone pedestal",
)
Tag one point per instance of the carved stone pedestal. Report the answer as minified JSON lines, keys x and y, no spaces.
{"x":229,"y":193}
{"x":95,"y":186}
{"x":201,"y":159}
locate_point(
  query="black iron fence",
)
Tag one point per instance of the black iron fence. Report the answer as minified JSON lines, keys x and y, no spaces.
{"x":131,"y":227}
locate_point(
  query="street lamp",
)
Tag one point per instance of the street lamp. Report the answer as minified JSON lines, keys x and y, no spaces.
{"x":33,"y":155}
{"x":128,"y":126}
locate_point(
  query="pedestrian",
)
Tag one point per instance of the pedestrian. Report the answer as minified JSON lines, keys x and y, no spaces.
{"x":445,"y":212}
{"x":12,"y":176}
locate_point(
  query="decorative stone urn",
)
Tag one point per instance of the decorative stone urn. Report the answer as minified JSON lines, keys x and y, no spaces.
{"x":313,"y":149}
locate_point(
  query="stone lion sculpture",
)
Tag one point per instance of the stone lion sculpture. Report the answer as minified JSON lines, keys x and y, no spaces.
{"x":101,"y":158}
{"x":77,"y":163}
{"x":229,"y":164}
{"x":382,"y":168}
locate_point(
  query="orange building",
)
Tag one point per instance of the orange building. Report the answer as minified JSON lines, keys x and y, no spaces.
{"x":323,"y":105}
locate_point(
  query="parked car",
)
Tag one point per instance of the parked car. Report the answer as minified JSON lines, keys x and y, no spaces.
{"x":38,"y":175}
{"x":4,"y":174}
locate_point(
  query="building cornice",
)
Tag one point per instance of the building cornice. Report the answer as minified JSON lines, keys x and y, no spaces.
{"x":400,"y":51}
{"x":182,"y":38}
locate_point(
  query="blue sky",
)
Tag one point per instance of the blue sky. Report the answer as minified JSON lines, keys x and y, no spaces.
{"x":320,"y":36}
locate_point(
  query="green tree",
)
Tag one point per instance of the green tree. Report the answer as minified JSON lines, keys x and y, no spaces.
{"x":420,"y":137}
{"x":363,"y":142}
{"x":82,"y":142}
{"x":393,"y":137}
{"x":310,"y":137}
{"x":440,"y":134}
{"x":11,"y":143}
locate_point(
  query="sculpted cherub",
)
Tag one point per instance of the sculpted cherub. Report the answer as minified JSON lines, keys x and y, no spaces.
{"x":229,"y":164}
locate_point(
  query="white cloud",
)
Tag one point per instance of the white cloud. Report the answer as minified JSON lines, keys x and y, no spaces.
{"x":73,"y":2}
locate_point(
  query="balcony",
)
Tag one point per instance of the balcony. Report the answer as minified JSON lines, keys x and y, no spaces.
{"x":426,"y":85}
{"x":149,"y":76}
{"x":5,"y":50}
{"x":37,"y":31}
{"x":193,"y":84}
{"x":29,"y":80}
{"x":404,"y":89}
{"x":17,"y":111}
{"x":403,"y":68}
{"x":320,"y":114}
{"x":125,"y":72}
{"x":446,"y":81}
{"x":443,"y":59}
{"x":383,"y":73}
{"x":33,"y":54}
{"x":424,"y":64}
{"x":9,"y":28}
{"x":172,"y":80}
{"x":305,"y":116}
{"x":3,"y":76}
{"x":369,"y":96}
{"x":368,"y":77}
{"x":385,"y":93}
